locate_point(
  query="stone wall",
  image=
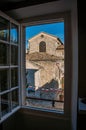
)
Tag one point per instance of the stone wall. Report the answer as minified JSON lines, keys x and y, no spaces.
{"x":47,"y":78}
{"x":51,"y":44}
{"x":48,"y":72}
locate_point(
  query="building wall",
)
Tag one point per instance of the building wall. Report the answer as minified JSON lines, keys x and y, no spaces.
{"x":51,"y":65}
{"x":51,"y":44}
{"x":47,"y":73}
{"x":49,"y":69}
{"x":60,"y":53}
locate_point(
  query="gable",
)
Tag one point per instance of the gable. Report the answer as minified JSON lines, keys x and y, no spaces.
{"x":42,"y":35}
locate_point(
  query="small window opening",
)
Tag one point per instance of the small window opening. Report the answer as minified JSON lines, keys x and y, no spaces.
{"x":42,"y":47}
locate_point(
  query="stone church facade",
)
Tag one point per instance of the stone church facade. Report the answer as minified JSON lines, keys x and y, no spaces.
{"x":45,"y":65}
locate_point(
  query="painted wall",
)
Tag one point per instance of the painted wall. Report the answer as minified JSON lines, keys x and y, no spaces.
{"x":23,"y":120}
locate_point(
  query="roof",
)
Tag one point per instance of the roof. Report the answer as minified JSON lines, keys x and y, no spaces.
{"x":42,"y":56}
{"x":60,"y":47}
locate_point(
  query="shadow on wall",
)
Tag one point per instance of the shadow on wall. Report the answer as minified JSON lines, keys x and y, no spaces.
{"x":49,"y":90}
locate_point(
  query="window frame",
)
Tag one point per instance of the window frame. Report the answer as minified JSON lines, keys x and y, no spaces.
{"x":9,"y":67}
{"x":66,"y":17}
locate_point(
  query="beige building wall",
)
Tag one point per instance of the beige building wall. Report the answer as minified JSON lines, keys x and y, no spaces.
{"x":48,"y":70}
{"x":37,"y":79}
{"x":60,"y":53}
{"x":51,"y":43}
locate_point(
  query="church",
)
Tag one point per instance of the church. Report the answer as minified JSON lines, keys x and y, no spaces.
{"x":45,"y":65}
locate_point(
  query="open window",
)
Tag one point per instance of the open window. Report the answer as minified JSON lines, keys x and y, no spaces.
{"x":9,"y":66}
{"x":45,"y":66}
{"x":14,"y":81}
{"x":46,"y":51}
{"x":37,"y":69}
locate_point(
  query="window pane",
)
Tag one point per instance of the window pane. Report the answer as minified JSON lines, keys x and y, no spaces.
{"x":4,"y":54}
{"x":4,"y":29}
{"x":45,"y":66}
{"x":14,"y":33}
{"x":4,"y":81}
{"x":14,"y":55}
{"x":15,"y":98}
{"x":14,"y":77}
{"x":5,"y":104}
{"x":9,"y":76}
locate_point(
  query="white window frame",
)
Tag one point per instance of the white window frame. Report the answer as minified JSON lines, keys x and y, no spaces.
{"x":56,"y":17}
{"x":9,"y":90}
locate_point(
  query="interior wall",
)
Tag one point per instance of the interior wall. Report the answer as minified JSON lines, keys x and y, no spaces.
{"x":81,"y":123}
{"x":82,"y":50}
{"x":9,"y":123}
{"x":25,"y":121}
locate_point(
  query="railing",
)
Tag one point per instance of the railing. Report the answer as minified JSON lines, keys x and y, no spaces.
{"x":43,"y":99}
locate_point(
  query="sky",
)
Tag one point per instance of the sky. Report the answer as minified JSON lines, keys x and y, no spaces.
{"x":55,"y":29}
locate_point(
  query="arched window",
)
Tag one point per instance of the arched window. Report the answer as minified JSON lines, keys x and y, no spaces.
{"x":42,"y":46}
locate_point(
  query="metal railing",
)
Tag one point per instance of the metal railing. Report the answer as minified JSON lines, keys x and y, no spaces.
{"x":43,"y":99}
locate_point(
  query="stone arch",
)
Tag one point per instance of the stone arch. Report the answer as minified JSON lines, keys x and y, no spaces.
{"x":42,"y":46}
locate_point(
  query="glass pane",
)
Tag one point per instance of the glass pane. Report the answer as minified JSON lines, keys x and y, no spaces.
{"x":14,"y":33}
{"x":4,"y":54}
{"x":4,"y":81}
{"x":45,"y":66}
{"x":5,"y":104}
{"x":14,"y":77}
{"x":14,"y":55}
{"x":15,"y":98}
{"x":4,"y":29}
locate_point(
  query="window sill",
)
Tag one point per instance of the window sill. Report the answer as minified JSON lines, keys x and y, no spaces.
{"x":42,"y":112}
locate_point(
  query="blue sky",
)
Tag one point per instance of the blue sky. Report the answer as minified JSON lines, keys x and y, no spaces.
{"x":56,"y":29}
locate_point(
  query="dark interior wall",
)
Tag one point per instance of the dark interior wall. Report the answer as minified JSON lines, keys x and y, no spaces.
{"x":25,"y":121}
{"x":81,"y":123}
{"x":9,"y":123}
{"x":82,"y":49}
{"x":0,"y":126}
